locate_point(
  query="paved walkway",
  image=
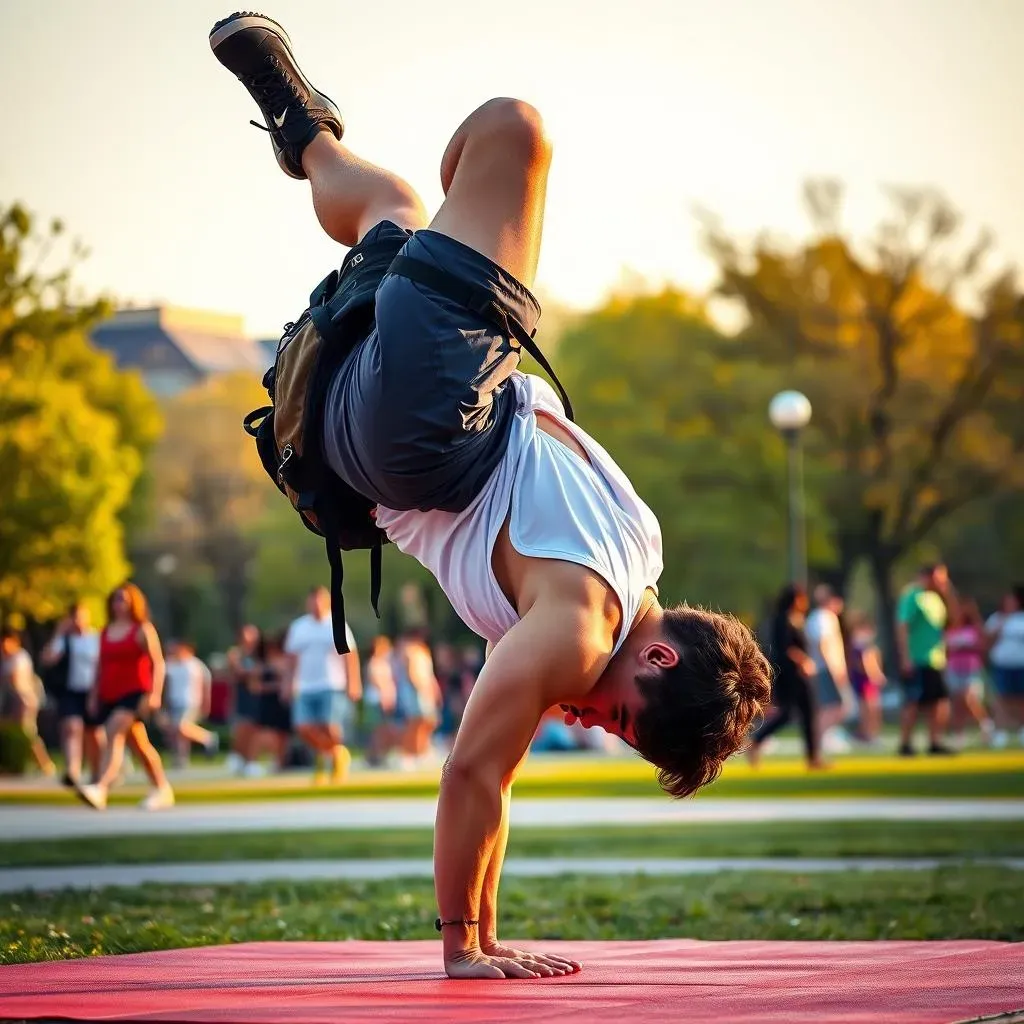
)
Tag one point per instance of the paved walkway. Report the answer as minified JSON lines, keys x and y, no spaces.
{"x":227,"y":872}
{"x":70,"y":821}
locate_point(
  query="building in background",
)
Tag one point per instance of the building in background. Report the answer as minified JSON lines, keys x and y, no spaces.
{"x":175,"y":348}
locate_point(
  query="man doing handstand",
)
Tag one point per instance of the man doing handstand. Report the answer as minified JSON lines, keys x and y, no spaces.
{"x":534,"y":533}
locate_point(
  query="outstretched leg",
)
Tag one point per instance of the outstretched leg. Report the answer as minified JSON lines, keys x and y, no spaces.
{"x":305,"y":128}
{"x":351,"y":195}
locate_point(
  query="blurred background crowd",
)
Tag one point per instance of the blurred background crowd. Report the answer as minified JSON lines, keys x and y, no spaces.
{"x":284,"y":699}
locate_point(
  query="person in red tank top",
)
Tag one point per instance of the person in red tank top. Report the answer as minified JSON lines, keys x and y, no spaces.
{"x":129,"y":684}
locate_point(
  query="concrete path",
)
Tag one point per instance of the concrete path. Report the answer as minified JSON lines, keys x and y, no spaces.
{"x":228,"y":872}
{"x":69,"y":821}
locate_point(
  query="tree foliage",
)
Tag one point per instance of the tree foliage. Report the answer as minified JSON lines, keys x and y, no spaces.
{"x":683,"y":411}
{"x":73,"y":431}
{"x":911,"y":348}
{"x":209,"y":490}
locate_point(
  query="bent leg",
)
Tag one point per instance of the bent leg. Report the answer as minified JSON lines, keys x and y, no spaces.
{"x":494,"y":174}
{"x":351,"y":195}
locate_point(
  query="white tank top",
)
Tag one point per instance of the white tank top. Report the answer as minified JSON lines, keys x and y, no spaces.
{"x":562,"y":508}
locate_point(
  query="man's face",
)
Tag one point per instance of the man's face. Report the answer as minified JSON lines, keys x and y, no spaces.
{"x":80,"y":618}
{"x":937,"y":579}
{"x":9,"y":646}
{"x":615,"y":701}
{"x":319,"y":604}
{"x":617,"y":718}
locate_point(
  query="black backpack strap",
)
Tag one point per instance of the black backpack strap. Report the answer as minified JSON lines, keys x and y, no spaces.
{"x":376,"y":575}
{"x":327,"y":518}
{"x":479,"y":301}
{"x":252,"y":422}
{"x":337,"y":596}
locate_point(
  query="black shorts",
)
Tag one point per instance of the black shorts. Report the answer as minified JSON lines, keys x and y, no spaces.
{"x":247,"y":704}
{"x":926,"y":685}
{"x":419,"y":416}
{"x":274,"y":713}
{"x":75,"y":704}
{"x":129,"y":702}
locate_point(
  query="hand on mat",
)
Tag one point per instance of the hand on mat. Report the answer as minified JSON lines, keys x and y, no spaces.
{"x":558,"y":964}
{"x":474,"y":963}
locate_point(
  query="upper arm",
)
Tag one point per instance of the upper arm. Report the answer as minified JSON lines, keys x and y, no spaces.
{"x":290,"y":641}
{"x":151,"y":642}
{"x":543,"y":658}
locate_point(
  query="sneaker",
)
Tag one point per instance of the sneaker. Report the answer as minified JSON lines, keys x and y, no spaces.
{"x":94,"y":795}
{"x":254,"y":770}
{"x":836,"y":741}
{"x":234,"y":762}
{"x":1000,"y":739}
{"x":160,"y":799}
{"x":258,"y":52}
{"x":939,"y":750}
{"x":907,"y":750}
{"x":212,"y":746}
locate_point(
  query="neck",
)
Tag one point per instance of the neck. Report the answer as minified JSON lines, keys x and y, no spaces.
{"x":647,"y":622}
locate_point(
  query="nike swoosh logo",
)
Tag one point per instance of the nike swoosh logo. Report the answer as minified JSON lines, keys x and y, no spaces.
{"x":279,"y":121}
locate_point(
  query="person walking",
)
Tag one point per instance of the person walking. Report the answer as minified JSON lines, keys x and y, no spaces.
{"x":187,"y":694}
{"x":21,"y":695}
{"x":128,"y":689}
{"x":322,"y":684}
{"x":867,"y":677}
{"x":244,"y":673}
{"x":73,"y":652}
{"x":965,"y":668}
{"x":921,"y":616}
{"x":380,"y":699}
{"x":794,"y":688}
{"x":1005,"y":633}
{"x":836,"y":700}
{"x":275,"y":715}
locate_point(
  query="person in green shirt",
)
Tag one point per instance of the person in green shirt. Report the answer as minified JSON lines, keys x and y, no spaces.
{"x":921,"y":618}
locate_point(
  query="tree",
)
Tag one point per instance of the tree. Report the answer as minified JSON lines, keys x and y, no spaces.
{"x":683,"y":411}
{"x":209,"y":490}
{"x":911,"y":350}
{"x":73,"y":432}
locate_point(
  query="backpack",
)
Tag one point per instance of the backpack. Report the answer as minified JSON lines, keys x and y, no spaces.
{"x":289,"y":431}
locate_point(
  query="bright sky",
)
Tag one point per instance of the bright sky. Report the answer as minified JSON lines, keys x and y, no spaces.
{"x":118,"y":119}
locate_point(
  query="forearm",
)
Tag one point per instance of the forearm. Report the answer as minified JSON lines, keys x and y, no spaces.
{"x":469,"y":820}
{"x":492,"y":877}
{"x":902,"y":644}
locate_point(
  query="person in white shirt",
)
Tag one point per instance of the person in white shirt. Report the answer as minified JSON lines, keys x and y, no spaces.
{"x":21,"y":695}
{"x":1005,"y":633}
{"x":322,"y":683}
{"x":74,"y":651}
{"x":187,"y":691}
{"x":825,"y":646}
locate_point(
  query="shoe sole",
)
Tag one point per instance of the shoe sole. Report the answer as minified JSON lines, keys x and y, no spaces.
{"x":227,"y":27}
{"x":231,"y":26}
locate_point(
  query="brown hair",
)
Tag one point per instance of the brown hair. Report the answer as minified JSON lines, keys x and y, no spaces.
{"x":698,"y":712}
{"x":138,"y":609}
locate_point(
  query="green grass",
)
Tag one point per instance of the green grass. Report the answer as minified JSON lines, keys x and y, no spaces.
{"x":762,"y":839}
{"x":983,"y":774}
{"x":979,"y":903}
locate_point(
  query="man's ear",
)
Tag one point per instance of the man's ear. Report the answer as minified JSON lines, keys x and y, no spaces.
{"x":659,"y":655}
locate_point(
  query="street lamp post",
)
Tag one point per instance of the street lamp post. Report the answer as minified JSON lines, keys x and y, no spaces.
{"x":790,"y":412}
